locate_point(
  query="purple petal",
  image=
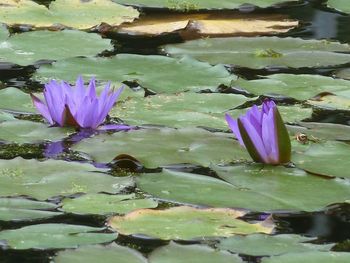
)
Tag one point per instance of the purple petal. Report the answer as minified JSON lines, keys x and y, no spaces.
{"x":255,"y":138}
{"x":270,"y":137}
{"x":234,"y":128}
{"x":92,"y":89}
{"x":42,"y":108}
{"x":118,"y":127}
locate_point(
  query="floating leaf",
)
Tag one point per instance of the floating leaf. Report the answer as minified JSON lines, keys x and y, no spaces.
{"x":71,"y":13}
{"x":160,"y":147}
{"x":263,"y":245}
{"x":175,"y":253}
{"x":27,"y":48}
{"x":309,"y":257}
{"x":332,"y":102}
{"x":49,"y":236}
{"x":191,"y":26}
{"x":18,"y":131}
{"x":328,"y":158}
{"x":184,"y":5}
{"x":92,"y":254}
{"x":14,"y":99}
{"x":344,"y":73}
{"x":18,"y":209}
{"x":106,"y":204}
{"x":253,"y":187}
{"x":178,"y":223}
{"x":180,"y":110}
{"x":158,"y":73}
{"x":43,"y":180}
{"x":300,"y":87}
{"x":340,"y":5}
{"x":262,"y":52}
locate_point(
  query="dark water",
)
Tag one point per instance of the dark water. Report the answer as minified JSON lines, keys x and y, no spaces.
{"x":332,"y":225}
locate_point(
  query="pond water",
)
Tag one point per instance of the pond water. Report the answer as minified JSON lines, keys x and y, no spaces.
{"x":192,"y":160}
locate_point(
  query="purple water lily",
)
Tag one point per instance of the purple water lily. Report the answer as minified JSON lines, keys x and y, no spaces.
{"x":77,"y":106}
{"x":263,"y":133}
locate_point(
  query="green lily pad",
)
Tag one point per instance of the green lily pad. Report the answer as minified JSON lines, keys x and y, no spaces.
{"x":253,"y":187}
{"x":4,"y":116}
{"x":45,"y":236}
{"x":262,"y":52}
{"x":263,"y":245}
{"x":340,"y":5}
{"x":331,"y":102}
{"x":4,"y":33}
{"x":290,"y":114}
{"x":177,"y":223}
{"x":158,"y":73}
{"x":316,"y":131}
{"x":180,"y":110}
{"x":175,"y":253}
{"x":42,"y":180}
{"x":309,"y":257}
{"x":200,"y":4}
{"x":106,"y":204}
{"x":300,"y":87}
{"x":70,"y":13}
{"x":14,"y":99}
{"x":327,"y":158}
{"x":160,"y":147}
{"x":27,"y":48}
{"x":91,"y":254}
{"x":344,"y":73}
{"x":18,"y":209}
{"x":18,"y":131}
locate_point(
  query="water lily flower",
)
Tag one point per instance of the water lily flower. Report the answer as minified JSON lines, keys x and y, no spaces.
{"x":77,"y":106}
{"x":263,"y":133}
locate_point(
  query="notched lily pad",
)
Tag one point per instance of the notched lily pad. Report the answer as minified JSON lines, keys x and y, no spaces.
{"x":180,"y":110}
{"x":91,"y":254}
{"x":46,"y":179}
{"x":20,"y":209}
{"x":158,"y":73}
{"x":266,"y":245}
{"x":54,"y":236}
{"x":103,"y":204}
{"x":176,"y":253}
{"x":325,"y":158}
{"x":262,"y":52}
{"x":193,"y":26}
{"x":311,"y":257}
{"x":185,"y":223}
{"x":160,"y":147}
{"x":187,"y":5}
{"x":340,"y":5}
{"x":331,"y":102}
{"x":70,"y":13}
{"x":30,"y":47}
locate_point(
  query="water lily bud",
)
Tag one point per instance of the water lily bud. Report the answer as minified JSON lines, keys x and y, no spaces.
{"x":263,"y":133}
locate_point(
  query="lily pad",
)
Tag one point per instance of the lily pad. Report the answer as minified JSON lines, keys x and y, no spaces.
{"x":300,"y":87}
{"x":200,"y":4}
{"x":91,"y":254}
{"x":4,"y":116}
{"x":253,"y":187}
{"x":42,"y":180}
{"x":344,"y":73}
{"x":331,"y":102}
{"x":106,"y":204}
{"x":309,"y":257}
{"x":340,"y":5}
{"x":27,"y":48}
{"x":70,"y":13}
{"x":49,"y":236}
{"x":175,"y":253}
{"x":263,"y":245}
{"x":196,"y":25}
{"x":18,"y":209}
{"x":262,"y":52}
{"x":18,"y":131}
{"x":316,"y":131}
{"x":177,"y":223}
{"x":4,"y":33}
{"x":290,"y":114}
{"x":180,"y":110}
{"x":14,"y":99}
{"x":160,"y":147}
{"x":327,"y":158}
{"x":158,"y":73}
